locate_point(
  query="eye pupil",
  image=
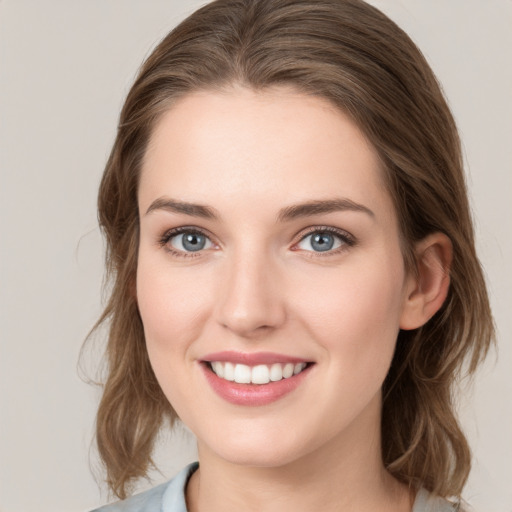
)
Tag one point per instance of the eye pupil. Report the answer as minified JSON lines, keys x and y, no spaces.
{"x":322,"y":242}
{"x":193,"y":241}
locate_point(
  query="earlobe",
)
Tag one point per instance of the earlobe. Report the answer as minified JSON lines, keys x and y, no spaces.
{"x":427,"y":290}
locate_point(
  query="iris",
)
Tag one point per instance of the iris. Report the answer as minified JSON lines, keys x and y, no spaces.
{"x":193,"y":241}
{"x":322,"y":242}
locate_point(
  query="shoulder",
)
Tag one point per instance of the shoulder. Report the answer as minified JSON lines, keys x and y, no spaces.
{"x":427,"y":502}
{"x":148,"y":501}
{"x":169,"y":496}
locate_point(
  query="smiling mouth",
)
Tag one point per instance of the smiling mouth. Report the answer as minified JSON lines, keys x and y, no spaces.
{"x":254,"y":379}
{"x":258,"y":374}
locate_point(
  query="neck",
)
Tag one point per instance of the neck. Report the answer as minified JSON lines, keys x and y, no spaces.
{"x":346,"y":474}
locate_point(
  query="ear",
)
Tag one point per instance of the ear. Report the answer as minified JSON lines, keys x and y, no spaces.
{"x":427,"y":290}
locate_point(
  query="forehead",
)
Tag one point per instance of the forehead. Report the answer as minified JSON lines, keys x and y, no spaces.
{"x":277,"y":145}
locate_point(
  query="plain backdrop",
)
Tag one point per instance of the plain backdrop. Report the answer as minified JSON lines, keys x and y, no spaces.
{"x":65,"y":68}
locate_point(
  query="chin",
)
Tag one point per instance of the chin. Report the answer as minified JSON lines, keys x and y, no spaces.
{"x":257,"y":459}
{"x":266,"y":450}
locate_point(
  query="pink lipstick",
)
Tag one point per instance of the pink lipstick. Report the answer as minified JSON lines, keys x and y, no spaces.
{"x":253,"y":379}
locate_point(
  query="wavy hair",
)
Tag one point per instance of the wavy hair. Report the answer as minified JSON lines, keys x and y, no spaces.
{"x":351,"y":54}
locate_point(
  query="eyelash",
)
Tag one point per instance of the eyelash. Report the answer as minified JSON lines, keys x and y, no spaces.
{"x":346,"y":238}
{"x":168,"y":235}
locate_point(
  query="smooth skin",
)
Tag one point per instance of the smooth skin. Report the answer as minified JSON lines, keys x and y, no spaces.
{"x":229,"y":260}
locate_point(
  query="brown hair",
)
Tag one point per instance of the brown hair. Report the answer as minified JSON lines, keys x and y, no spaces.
{"x":352,"y":55}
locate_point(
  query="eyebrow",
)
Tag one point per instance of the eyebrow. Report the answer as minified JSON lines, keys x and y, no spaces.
{"x":174,"y":206}
{"x":285,"y":214}
{"x":319,"y":207}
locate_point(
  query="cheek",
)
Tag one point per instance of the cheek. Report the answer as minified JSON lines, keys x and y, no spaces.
{"x":170,"y":304}
{"x":354,"y":313}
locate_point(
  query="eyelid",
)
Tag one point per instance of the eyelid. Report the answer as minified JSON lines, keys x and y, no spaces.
{"x":347,"y":239}
{"x":164,"y":239}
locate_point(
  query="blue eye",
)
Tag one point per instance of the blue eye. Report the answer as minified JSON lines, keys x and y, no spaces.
{"x":190,"y":241}
{"x":321,"y":241}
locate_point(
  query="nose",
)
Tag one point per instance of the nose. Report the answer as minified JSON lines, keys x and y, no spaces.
{"x":253,"y":302}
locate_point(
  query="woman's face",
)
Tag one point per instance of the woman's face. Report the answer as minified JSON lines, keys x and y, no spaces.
{"x":269,"y":254}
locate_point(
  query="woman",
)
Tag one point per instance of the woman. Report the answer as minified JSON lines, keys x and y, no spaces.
{"x":293,"y":265}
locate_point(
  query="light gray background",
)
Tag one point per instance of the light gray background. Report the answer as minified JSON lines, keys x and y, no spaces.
{"x":66,"y":66}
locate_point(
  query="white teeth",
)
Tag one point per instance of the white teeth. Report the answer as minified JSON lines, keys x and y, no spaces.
{"x":298,"y":368}
{"x":242,"y":374}
{"x":259,"y":374}
{"x":218,"y":368}
{"x":229,"y":372}
{"x":288,"y":370}
{"x":276,"y":372}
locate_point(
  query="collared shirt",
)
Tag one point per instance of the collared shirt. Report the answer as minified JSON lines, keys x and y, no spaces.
{"x":170,"y":497}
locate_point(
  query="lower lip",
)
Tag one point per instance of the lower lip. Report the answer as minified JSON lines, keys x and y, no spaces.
{"x":253,"y":394}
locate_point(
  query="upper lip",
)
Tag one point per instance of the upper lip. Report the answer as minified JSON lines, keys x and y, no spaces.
{"x":251,"y":359}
